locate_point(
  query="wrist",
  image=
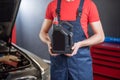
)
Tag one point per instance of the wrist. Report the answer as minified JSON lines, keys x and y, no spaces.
{"x":49,"y":44}
{"x":80,"y":44}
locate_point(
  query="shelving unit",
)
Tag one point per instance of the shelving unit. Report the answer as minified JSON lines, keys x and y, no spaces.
{"x":106,"y":61}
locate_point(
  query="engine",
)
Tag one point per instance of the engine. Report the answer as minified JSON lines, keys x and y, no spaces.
{"x":17,"y":70}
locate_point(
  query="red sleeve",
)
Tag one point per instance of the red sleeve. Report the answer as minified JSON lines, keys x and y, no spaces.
{"x":93,"y":14}
{"x":49,"y":12}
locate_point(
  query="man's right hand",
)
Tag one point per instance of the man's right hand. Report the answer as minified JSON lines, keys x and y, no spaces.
{"x":50,"y":50}
{"x":10,"y":60}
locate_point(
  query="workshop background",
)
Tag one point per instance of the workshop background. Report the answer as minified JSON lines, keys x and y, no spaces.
{"x":29,"y":22}
{"x":31,"y":15}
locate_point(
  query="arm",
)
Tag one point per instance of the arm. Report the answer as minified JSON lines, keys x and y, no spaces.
{"x":96,"y":38}
{"x":9,"y":58}
{"x":44,"y":36}
{"x":1,"y":59}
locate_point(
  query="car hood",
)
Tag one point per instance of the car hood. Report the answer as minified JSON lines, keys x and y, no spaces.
{"x":8,"y":13}
{"x":42,"y":65}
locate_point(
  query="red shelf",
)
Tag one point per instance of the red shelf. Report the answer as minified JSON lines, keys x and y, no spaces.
{"x":108,"y":72}
{"x":106,"y":61}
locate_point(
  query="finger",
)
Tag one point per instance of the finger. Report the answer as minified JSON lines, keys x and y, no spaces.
{"x":73,"y":53}
{"x":73,"y":47}
{"x":69,"y":55}
{"x":53,"y":54}
{"x":75,"y":50}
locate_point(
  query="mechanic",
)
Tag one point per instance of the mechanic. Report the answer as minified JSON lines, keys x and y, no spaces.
{"x":78,"y":64}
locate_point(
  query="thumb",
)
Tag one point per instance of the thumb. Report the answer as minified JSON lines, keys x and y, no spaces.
{"x":73,"y":47}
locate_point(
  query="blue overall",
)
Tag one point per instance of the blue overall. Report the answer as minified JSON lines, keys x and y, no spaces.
{"x":77,"y":67}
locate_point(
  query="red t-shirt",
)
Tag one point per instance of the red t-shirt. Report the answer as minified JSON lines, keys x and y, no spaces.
{"x":69,"y":9}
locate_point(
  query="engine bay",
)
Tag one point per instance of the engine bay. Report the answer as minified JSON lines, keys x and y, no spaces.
{"x":18,"y":60}
{"x":15,"y":63}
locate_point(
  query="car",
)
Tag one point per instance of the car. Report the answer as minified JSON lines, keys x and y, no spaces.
{"x":28,"y":66}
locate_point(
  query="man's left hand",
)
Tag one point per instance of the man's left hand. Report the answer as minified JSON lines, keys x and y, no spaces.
{"x":75,"y":48}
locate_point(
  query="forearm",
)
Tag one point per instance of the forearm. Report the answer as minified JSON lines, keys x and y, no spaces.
{"x":95,"y":39}
{"x":45,"y":37}
{"x":1,"y":59}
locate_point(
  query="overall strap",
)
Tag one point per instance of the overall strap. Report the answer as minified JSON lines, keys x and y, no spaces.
{"x":80,"y":8}
{"x":58,"y":8}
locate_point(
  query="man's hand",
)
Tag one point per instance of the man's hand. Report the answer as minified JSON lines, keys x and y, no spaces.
{"x":75,"y":48}
{"x":50,"y":50}
{"x":10,"y":58}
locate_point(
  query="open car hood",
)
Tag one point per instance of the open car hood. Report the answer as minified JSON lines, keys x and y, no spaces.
{"x":8,"y":13}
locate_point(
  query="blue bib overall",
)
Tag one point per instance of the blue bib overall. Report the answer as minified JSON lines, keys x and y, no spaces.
{"x":77,"y":67}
